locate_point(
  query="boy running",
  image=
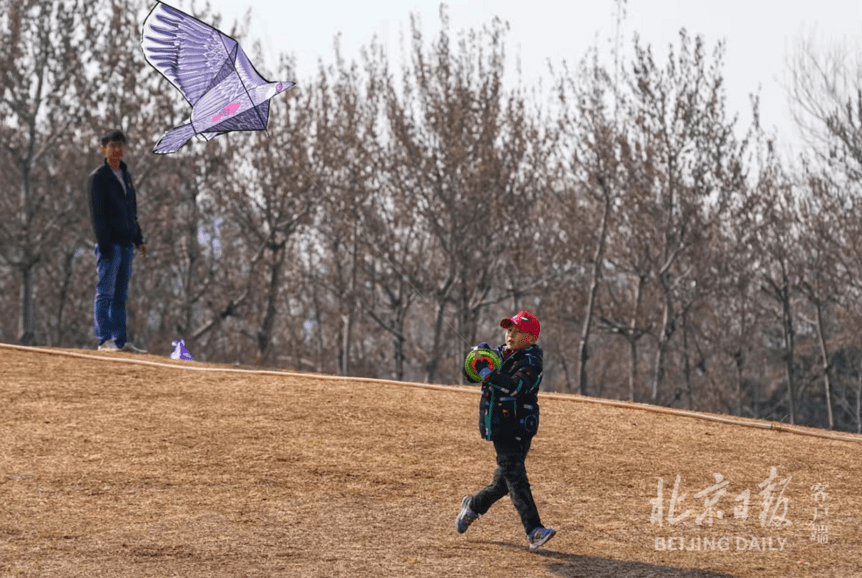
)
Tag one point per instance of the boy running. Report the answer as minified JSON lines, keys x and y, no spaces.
{"x":509,"y":417}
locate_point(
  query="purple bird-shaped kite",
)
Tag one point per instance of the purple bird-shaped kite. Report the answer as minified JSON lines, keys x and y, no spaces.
{"x":213,"y":73}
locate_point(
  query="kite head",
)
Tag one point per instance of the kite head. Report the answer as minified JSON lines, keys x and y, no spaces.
{"x":266,"y":91}
{"x":282,"y":86}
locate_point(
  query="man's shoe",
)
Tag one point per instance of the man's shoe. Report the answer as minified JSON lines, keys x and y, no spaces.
{"x":467,"y":516}
{"x":108,"y":346}
{"x":539,"y":536}
{"x":129,"y":348}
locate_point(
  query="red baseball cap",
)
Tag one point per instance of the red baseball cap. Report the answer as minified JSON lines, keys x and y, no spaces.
{"x":524,"y":321}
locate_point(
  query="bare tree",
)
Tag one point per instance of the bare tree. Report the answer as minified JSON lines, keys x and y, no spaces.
{"x":461,"y":148}
{"x":823,"y":276}
{"x":590,"y":172}
{"x":825,"y":94}
{"x":734,"y":318}
{"x":269,"y":199}
{"x":691,"y":162}
{"x":42,"y":92}
{"x":777,"y":243}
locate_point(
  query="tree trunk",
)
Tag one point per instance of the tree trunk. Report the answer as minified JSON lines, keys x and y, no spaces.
{"x":398,"y":349}
{"x":28,"y":313}
{"x":63,"y":296}
{"x":318,"y":318}
{"x":686,"y":361}
{"x":583,"y":350}
{"x":264,"y":336}
{"x":633,"y":367}
{"x":349,"y":318}
{"x":781,"y":294}
{"x":345,"y":344}
{"x":566,"y":374}
{"x":668,"y":324}
{"x":739,"y":355}
{"x":442,"y":299}
{"x":667,"y":330}
{"x":859,"y":403}
{"x":193,"y":256}
{"x":825,"y":364}
{"x":433,"y":362}
{"x":738,"y":362}
{"x":789,"y":351}
{"x":634,"y":336}
{"x":28,"y":263}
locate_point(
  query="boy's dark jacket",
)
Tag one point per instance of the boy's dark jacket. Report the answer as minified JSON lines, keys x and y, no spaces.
{"x":113,"y":212}
{"x":509,"y":405}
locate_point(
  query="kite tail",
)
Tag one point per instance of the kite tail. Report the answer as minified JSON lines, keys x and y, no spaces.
{"x":174,"y":139}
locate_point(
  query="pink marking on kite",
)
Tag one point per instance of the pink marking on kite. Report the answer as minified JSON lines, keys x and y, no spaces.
{"x":227,"y":111}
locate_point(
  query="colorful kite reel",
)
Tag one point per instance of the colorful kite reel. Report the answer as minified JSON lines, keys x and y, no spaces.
{"x":477,"y":355}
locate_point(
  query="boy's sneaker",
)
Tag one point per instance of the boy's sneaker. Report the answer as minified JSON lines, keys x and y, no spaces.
{"x":467,"y":516}
{"x":539,"y":536}
{"x":108,"y":346}
{"x":129,"y":348}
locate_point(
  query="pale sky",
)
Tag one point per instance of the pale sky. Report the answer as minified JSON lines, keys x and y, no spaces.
{"x":759,"y":34}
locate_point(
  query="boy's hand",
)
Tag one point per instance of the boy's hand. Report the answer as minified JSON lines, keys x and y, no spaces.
{"x":483,"y":368}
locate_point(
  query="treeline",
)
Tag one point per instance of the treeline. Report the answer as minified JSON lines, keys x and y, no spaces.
{"x":391,"y":215}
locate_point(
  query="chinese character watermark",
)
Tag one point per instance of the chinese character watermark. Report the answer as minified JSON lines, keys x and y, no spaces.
{"x":773,"y":513}
{"x":772,"y":500}
{"x":767,"y":493}
{"x":819,"y":529}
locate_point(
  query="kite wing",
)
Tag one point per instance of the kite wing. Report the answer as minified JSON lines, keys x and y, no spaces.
{"x":213,"y":73}
{"x":192,"y":55}
{"x":247,"y":73}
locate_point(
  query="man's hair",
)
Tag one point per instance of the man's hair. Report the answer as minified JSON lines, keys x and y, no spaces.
{"x":115,"y":135}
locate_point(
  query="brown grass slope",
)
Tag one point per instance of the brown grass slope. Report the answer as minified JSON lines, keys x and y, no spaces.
{"x":116,"y":469}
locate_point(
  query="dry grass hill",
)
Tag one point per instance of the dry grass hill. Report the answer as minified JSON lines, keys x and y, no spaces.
{"x":113,"y":466}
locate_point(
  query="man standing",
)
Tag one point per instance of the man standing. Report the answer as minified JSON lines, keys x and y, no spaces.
{"x":114,"y":219}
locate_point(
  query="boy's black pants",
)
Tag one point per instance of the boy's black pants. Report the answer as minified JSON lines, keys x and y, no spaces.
{"x":510,"y":477}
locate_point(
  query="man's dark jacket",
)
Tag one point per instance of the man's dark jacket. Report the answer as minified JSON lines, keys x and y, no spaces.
{"x":113,"y":211}
{"x":509,"y":408}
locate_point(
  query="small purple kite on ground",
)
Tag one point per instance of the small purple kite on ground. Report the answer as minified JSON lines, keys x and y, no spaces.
{"x":180,"y":351}
{"x":213,"y":73}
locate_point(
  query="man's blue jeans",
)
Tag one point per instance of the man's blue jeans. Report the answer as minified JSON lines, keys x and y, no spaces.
{"x":112,"y":290}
